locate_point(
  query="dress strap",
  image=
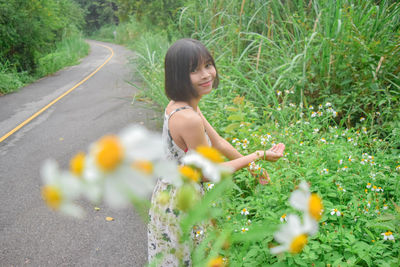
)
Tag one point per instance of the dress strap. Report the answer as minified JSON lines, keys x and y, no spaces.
{"x":178,"y":109}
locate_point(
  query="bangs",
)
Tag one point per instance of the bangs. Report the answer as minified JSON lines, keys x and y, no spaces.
{"x":199,"y":56}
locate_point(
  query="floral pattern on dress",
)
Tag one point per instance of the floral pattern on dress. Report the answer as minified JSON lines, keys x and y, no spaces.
{"x":163,"y":228}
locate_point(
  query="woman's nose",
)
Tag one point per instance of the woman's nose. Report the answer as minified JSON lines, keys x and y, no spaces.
{"x":204,"y":73}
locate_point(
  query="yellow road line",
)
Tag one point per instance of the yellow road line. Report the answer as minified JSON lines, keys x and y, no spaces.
{"x":58,"y":98}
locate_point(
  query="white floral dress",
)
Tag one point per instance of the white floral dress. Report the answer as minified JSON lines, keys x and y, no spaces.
{"x":163,"y":228}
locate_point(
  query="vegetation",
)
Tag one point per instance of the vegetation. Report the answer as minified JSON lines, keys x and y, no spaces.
{"x":38,"y":38}
{"x":321,"y":77}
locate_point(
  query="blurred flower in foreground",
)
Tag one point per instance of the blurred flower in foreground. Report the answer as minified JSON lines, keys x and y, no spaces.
{"x":310,"y":203}
{"x":116,"y":169}
{"x":208,"y":160}
{"x":293,"y":236}
{"x":60,"y":189}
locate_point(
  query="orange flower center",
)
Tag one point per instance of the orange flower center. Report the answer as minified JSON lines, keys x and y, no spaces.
{"x":298,"y":243}
{"x":110,"y":153}
{"x":77,"y":164}
{"x":315,"y":206}
{"x":52,"y":196}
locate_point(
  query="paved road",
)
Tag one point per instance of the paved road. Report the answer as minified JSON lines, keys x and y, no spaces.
{"x":31,"y":234}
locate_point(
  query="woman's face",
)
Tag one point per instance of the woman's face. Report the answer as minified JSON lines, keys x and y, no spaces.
{"x":202,"y":78}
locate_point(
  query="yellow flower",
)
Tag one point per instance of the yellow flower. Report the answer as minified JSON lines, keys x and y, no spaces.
{"x":190,"y":173}
{"x":52,"y":196}
{"x":210,"y":153}
{"x":144,"y":166}
{"x":77,"y":164}
{"x":216,"y":262}
{"x":110,"y":153}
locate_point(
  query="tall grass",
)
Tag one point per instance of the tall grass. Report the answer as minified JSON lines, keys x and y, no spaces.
{"x":344,"y":52}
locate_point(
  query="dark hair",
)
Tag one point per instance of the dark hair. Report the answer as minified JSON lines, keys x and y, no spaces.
{"x":183,"y":57}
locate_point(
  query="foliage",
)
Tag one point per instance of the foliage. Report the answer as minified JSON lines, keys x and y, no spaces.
{"x":29,"y":29}
{"x":98,"y":14}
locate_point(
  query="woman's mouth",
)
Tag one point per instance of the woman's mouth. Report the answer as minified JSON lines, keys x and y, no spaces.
{"x":206,"y":84}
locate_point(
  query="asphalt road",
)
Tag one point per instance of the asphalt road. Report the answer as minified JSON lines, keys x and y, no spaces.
{"x":31,"y":234}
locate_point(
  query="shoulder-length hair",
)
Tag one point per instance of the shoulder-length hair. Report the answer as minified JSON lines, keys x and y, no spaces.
{"x":181,"y":59}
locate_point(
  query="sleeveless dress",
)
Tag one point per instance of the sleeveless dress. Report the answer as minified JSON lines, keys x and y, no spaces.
{"x":163,"y":227}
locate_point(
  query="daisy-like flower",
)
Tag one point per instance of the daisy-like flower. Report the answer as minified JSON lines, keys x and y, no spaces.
{"x":278,"y":92}
{"x":369,"y":185}
{"x":293,"y":236}
{"x":320,"y":113}
{"x":374,"y":188}
{"x":199,"y":233}
{"x":310,"y":203}
{"x":283,"y":218}
{"x":335,"y":211}
{"x":340,"y":161}
{"x":210,"y":186}
{"x":310,"y":107}
{"x":244,"y":212}
{"x":313,"y":114}
{"x":362,"y":119}
{"x":316,"y":130}
{"x":119,"y":166}
{"x":235,"y":140}
{"x":60,"y":189}
{"x":388,"y":235}
{"x":208,"y":160}
{"x":380,"y":189}
{"x":244,"y":229}
{"x":385,"y":207}
{"x":325,"y":171}
{"x":328,"y":105}
{"x":323,"y":140}
{"x":398,"y":168}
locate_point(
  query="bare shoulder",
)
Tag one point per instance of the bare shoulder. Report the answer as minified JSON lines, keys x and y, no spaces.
{"x":186,"y":119}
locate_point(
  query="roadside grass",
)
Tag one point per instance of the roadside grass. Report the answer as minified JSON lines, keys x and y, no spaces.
{"x":67,"y":53}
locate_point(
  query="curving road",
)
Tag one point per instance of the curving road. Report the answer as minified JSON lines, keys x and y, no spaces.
{"x":32,"y":235}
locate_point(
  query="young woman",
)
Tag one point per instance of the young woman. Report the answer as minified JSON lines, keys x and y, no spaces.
{"x":190,"y":73}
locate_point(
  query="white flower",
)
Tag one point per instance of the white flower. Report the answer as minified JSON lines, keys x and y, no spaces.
{"x":244,"y":212}
{"x":210,"y":169}
{"x":302,"y":199}
{"x":388,"y":236}
{"x":293,"y":236}
{"x":283,"y":218}
{"x":210,"y":186}
{"x":244,"y":229}
{"x":199,"y":233}
{"x":335,"y":211}
{"x":60,"y":189}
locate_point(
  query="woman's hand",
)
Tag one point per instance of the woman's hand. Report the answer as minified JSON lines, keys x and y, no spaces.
{"x":272,"y":154}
